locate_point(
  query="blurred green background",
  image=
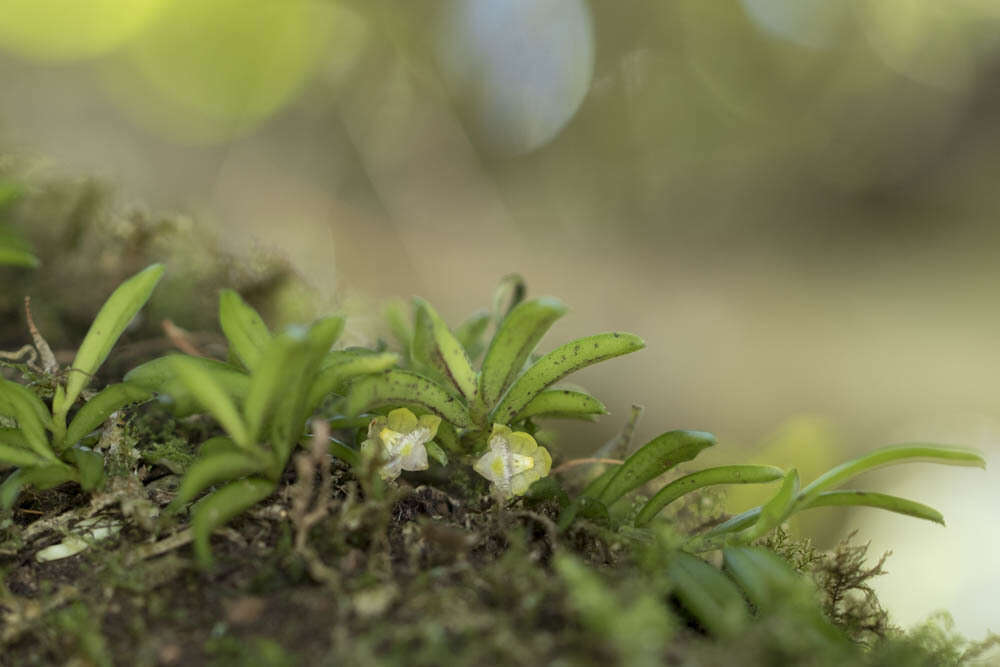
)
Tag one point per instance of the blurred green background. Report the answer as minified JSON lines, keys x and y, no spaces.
{"x":793,"y":201}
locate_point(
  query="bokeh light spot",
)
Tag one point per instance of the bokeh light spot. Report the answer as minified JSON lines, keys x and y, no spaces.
{"x":524,"y":65}
{"x":210,"y":69}
{"x":56,"y":30}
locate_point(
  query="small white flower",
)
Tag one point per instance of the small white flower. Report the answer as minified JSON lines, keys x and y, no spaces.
{"x":513,"y":462}
{"x":400,"y":440}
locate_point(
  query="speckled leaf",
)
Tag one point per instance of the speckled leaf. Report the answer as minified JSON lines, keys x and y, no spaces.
{"x":559,"y":363}
{"x":651,"y":460}
{"x":398,"y":388}
{"x":516,"y":337}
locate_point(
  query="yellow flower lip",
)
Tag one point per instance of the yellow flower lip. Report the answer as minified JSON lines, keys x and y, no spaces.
{"x":513,"y":462}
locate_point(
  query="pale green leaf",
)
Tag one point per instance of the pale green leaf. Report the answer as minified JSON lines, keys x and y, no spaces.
{"x":222,"y":506}
{"x":244,"y":328}
{"x":108,"y":326}
{"x":736,"y":474}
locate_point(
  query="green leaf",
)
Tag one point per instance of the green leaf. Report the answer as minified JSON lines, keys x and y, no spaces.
{"x":13,"y":437}
{"x":111,"y":320}
{"x":562,"y":403}
{"x":651,"y":460}
{"x":871,"y":499}
{"x":343,"y":452}
{"x":334,"y":378}
{"x":42,"y":477}
{"x":470,"y":333}
{"x":777,"y":509}
{"x":18,"y":402}
{"x":709,"y":595}
{"x":213,"y":397}
{"x":559,"y":363}
{"x":213,"y":468}
{"x":395,"y":315}
{"x":18,"y":456}
{"x":27,"y":398}
{"x":160,"y":377}
{"x":244,"y":328}
{"x":274,"y":376}
{"x":90,"y":465}
{"x":291,"y":410}
{"x":516,"y":338}
{"x":888,"y":456}
{"x":772,"y":585}
{"x":434,"y":345}
{"x":222,"y":506}
{"x":95,"y":411}
{"x":737,"y":474}
{"x":435,"y":452}
{"x":397,"y":388}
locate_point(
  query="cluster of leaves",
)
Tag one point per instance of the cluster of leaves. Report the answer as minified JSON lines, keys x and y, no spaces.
{"x":46,"y":449}
{"x":484,"y":418}
{"x":262,"y":397}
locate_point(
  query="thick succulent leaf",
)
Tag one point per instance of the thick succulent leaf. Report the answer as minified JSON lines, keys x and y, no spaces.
{"x":292,"y":409}
{"x":343,"y":452}
{"x":90,"y":465}
{"x":435,"y":452}
{"x":334,"y":378}
{"x":888,"y":456}
{"x":14,"y":455}
{"x":651,"y":460}
{"x":470,"y":333}
{"x":213,"y":468}
{"x":395,"y":315}
{"x":777,"y":509}
{"x":871,"y":499}
{"x":562,"y":403}
{"x":18,"y":402}
{"x":736,"y":474}
{"x":108,"y":326}
{"x":244,"y":328}
{"x":516,"y":338}
{"x":222,"y":506}
{"x":434,"y":345}
{"x":276,"y":374}
{"x":772,"y":584}
{"x":42,"y":477}
{"x":559,"y":363}
{"x":709,"y":595}
{"x":159,"y":376}
{"x":95,"y":411}
{"x":398,"y":388}
{"x":213,"y":398}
